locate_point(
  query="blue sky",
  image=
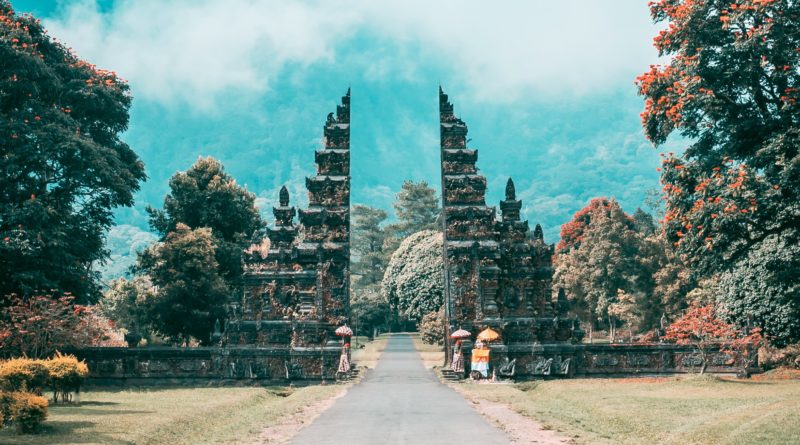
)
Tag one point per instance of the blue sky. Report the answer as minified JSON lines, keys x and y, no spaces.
{"x":545,"y":87}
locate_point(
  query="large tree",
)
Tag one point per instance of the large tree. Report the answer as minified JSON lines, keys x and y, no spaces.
{"x":207,"y":196}
{"x":597,"y":257}
{"x":413,"y":280}
{"x":191,"y":291}
{"x":417,"y":208}
{"x":731,"y":89}
{"x":367,"y":244}
{"x":64,"y":166}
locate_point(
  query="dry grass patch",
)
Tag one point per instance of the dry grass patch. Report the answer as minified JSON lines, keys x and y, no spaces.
{"x":694,"y":409}
{"x":171,"y":416}
{"x":368,"y":355}
{"x":432,"y":355}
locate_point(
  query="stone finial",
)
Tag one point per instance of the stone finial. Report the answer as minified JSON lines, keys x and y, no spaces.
{"x":538,"y":234}
{"x":283,"y":197}
{"x":511,"y":192}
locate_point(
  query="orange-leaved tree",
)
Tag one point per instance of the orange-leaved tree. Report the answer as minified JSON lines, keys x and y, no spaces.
{"x":731,"y":89}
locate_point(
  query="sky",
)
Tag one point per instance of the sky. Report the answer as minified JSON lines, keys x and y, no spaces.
{"x":547,"y":89}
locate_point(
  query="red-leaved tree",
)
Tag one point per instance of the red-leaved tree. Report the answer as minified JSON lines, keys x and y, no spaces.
{"x":37,"y":326}
{"x":701,"y":328}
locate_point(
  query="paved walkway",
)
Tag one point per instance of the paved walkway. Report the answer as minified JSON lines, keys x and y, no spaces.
{"x":400,"y":402}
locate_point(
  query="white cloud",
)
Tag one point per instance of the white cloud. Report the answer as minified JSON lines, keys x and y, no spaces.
{"x":195,"y":51}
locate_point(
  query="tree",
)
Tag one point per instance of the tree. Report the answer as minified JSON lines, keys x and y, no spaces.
{"x":413,"y":280}
{"x":191,"y":291}
{"x":38,"y":325}
{"x":126,"y":302}
{"x":64,"y":165}
{"x":369,"y":309}
{"x":206,"y":196}
{"x":701,"y":328}
{"x":731,"y":88}
{"x":417,"y":208}
{"x":367,"y":244}
{"x":596,"y":257}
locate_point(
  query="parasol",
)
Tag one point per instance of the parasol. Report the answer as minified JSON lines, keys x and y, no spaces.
{"x":460,"y":333}
{"x":343,"y":331}
{"x":488,"y":334}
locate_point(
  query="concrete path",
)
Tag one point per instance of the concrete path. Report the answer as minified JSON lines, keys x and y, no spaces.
{"x":400,"y":402}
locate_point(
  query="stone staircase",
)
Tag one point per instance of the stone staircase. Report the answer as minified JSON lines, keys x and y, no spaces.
{"x":355,"y":371}
{"x":448,"y":375}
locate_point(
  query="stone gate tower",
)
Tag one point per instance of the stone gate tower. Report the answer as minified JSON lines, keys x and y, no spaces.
{"x":294,"y":295}
{"x":496,"y":273}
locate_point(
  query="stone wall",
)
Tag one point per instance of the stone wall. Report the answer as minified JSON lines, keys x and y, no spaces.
{"x":156,"y":366}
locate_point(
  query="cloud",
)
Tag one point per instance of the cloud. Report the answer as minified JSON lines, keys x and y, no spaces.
{"x":194,"y":51}
{"x":198,"y":51}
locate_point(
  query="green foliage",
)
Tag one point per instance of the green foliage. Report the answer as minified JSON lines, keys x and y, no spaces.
{"x":369,"y":309}
{"x":191,"y":291}
{"x":598,"y":259}
{"x":24,"y":374}
{"x":762,"y":288}
{"x":367,"y":244}
{"x":417,"y":208}
{"x":733,"y":195}
{"x":67,"y":374}
{"x":206,"y":196}
{"x":64,"y":165}
{"x":431,"y":328}
{"x":126,"y":303}
{"x":413,"y":279}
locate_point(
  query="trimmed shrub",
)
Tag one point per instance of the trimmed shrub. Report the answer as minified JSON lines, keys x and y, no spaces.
{"x":29,"y":411}
{"x":26,"y":411}
{"x":67,"y":374}
{"x":24,"y":374}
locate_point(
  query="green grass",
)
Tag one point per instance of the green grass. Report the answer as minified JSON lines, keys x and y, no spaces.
{"x":170,"y":416}
{"x":695,"y":409}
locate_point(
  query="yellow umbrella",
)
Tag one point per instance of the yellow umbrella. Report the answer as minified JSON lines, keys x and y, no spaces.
{"x":488,"y":334}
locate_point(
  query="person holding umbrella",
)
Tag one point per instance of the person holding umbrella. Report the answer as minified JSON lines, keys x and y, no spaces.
{"x":458,"y":356}
{"x":344,"y":359}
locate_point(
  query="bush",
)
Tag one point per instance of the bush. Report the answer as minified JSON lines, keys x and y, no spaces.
{"x":25,"y":410}
{"x":431,"y":328}
{"x":23,"y":374}
{"x":67,"y":374}
{"x":771,"y":358}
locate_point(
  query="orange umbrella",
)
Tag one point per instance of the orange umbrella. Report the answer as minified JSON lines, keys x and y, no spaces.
{"x":488,"y":334}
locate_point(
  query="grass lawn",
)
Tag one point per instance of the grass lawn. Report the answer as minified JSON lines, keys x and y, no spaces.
{"x":369,"y":354}
{"x":432,"y":355}
{"x":673,"y":410}
{"x":170,"y":416}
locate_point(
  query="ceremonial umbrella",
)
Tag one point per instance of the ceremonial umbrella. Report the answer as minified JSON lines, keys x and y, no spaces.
{"x":460,"y":333}
{"x":343,"y":331}
{"x":488,"y":334}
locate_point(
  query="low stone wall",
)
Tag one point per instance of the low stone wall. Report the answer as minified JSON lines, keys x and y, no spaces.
{"x":153,"y":366}
{"x":610,"y":360}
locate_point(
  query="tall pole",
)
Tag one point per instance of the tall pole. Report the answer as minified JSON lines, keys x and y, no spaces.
{"x":445,"y":260}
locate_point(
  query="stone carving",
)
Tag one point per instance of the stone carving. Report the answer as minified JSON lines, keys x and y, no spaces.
{"x":507,"y":368}
{"x":513,"y":291}
{"x":294,"y":371}
{"x":603,"y":361}
{"x":638,"y":360}
{"x":540,"y":366}
{"x":300,"y":289}
{"x":692,"y":360}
